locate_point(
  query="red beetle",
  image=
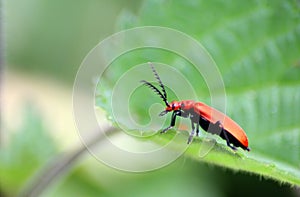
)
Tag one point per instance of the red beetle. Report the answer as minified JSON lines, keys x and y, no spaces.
{"x":200,"y":114}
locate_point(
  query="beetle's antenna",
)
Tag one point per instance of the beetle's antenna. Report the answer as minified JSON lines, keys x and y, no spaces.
{"x":156,"y":91}
{"x":158,"y":79}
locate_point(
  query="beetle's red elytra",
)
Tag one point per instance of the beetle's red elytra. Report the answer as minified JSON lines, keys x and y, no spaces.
{"x":200,"y":114}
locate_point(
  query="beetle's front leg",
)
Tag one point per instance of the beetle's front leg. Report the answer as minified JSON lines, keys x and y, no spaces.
{"x":173,"y":120}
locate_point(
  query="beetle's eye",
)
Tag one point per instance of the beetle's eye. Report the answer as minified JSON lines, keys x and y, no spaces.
{"x":182,"y":105}
{"x":173,"y":106}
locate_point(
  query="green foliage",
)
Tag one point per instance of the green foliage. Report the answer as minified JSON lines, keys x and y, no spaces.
{"x":256,"y":45}
{"x":29,"y":148}
{"x":38,"y":41}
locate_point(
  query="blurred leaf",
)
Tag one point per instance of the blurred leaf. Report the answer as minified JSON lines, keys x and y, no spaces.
{"x":256,"y":45}
{"x":183,"y":177}
{"x":95,"y":179}
{"x":76,"y":184}
{"x":29,"y":148}
{"x":38,"y":41}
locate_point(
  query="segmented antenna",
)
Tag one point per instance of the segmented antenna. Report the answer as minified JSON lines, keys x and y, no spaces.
{"x":156,"y":91}
{"x":159,"y":81}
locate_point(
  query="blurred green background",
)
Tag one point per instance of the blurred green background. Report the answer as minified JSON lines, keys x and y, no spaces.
{"x":45,"y":42}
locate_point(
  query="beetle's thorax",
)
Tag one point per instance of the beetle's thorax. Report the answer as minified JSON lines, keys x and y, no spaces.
{"x":180,"y":105}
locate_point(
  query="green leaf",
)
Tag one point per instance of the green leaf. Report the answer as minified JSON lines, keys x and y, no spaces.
{"x":29,"y":148}
{"x":256,"y":45}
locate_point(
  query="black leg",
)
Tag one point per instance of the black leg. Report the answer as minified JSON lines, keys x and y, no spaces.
{"x":194,"y":120}
{"x":192,"y":133}
{"x":173,"y":120}
{"x":225,"y":135}
{"x":197,"y":127}
{"x":227,"y":140}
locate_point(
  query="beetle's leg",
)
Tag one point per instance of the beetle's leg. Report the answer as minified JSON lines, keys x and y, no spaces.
{"x":191,"y":136}
{"x":227,"y":140}
{"x":197,"y":127}
{"x":194,"y":120}
{"x":192,"y":133}
{"x":225,"y":134}
{"x":173,"y":120}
